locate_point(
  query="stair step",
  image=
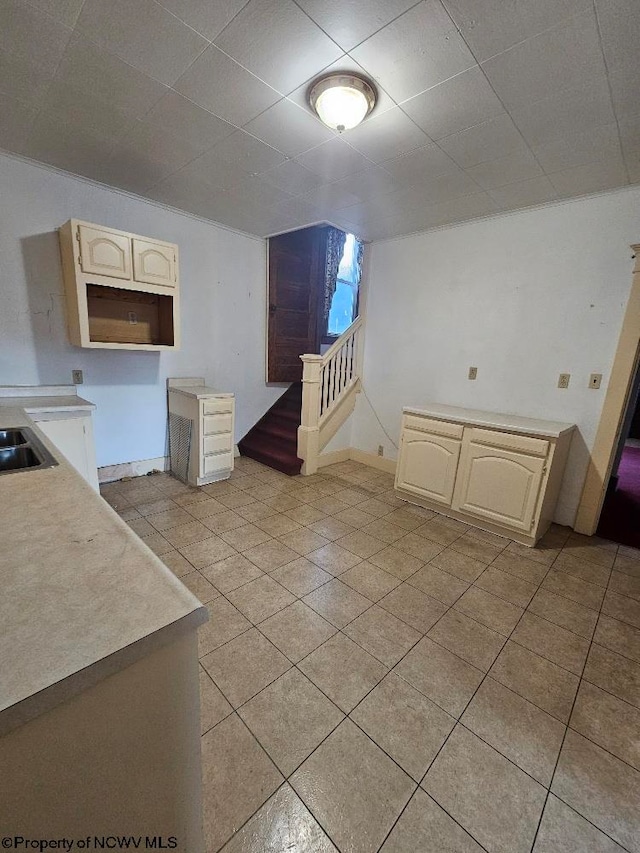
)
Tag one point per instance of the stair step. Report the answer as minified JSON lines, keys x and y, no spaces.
{"x":274,"y":439}
{"x":272,"y":456}
{"x":272,"y":429}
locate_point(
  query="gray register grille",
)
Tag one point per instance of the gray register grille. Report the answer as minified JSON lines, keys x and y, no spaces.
{"x":180,"y":445}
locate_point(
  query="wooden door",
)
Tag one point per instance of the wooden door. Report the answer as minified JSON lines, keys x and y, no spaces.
{"x":104,"y":252}
{"x":154,"y":263}
{"x":296,"y":294}
{"x":428,"y":465}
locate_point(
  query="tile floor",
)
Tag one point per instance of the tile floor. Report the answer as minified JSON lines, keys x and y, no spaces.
{"x":378,"y":677}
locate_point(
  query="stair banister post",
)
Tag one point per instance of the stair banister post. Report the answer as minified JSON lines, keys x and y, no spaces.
{"x":308,"y":431}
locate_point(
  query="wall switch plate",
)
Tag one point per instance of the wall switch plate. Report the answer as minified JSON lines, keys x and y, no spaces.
{"x":76,"y":376}
{"x":563,"y":380}
{"x":380,"y":450}
{"x":473,"y":373}
{"x":595,"y":380}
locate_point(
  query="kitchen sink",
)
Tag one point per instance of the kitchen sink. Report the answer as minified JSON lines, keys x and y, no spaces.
{"x":22,"y":450}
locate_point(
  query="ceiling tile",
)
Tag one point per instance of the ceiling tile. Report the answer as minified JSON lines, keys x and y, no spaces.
{"x":22,"y":80}
{"x":557,"y":59}
{"x":86,"y":109}
{"x":143,"y":34}
{"x":288,"y":128}
{"x":64,"y":11}
{"x":415,"y":52}
{"x":142,"y":138}
{"x":600,"y":143}
{"x":625,"y":89}
{"x":460,"y":209}
{"x":517,"y":166}
{"x":564,"y":113}
{"x":191,"y":194}
{"x":223,"y":87}
{"x":277,"y":42}
{"x":30,"y":37}
{"x":350,"y":23}
{"x":334,"y":160}
{"x":458,"y":103}
{"x":206,"y":17}
{"x":591,"y":177}
{"x":629,"y":136}
{"x":86,"y":68}
{"x":15,"y":122}
{"x":185,"y":120}
{"x":368,"y":184}
{"x":253,"y":190}
{"x":491,"y":26}
{"x":421,"y":165}
{"x":69,"y":146}
{"x":329,"y":197}
{"x":487,"y":141}
{"x":442,"y":188}
{"x":387,"y":135}
{"x":524,"y":193}
{"x":133,"y":170}
{"x":293,"y":177}
{"x":233,"y":160}
{"x":619,"y":22}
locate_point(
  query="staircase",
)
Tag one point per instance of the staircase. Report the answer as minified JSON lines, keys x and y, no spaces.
{"x":274,"y":439}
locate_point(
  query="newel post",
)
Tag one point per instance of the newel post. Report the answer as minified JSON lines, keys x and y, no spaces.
{"x":309,"y":431}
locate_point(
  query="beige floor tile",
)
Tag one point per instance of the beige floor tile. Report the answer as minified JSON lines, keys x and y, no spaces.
{"x":305,"y":514}
{"x":232,"y":572}
{"x":337,"y":602}
{"x":301,"y":576}
{"x":492,"y":798}
{"x":440,"y":675}
{"x":355,"y":517}
{"x":486,"y":536}
{"x":552,"y":642}
{"x":546,"y":685}
{"x":408,"y":726}
{"x":468,"y":639}
{"x":260,"y":598}
{"x":353,"y":788}
{"x":237,"y":778}
{"x":425,"y":827}
{"x":205,"y":508}
{"x":142,"y":527}
{"x":506,"y":586}
{"x":330,"y":528}
{"x":621,"y":607}
{"x":520,"y":567}
{"x":158,"y":544}
{"x":225,"y":623}
{"x":297,"y":630}
{"x":200,"y":587}
{"x":223,"y":521}
{"x":541,"y":554}
{"x":262,"y":491}
{"x":619,"y":637}
{"x":223,"y":487}
{"x":600,"y":556}
{"x":343,"y":671}
{"x":522,"y":732}
{"x":178,"y":564}
{"x":562,"y":830}
{"x":129,"y":513}
{"x":277,"y":525}
{"x":333,"y":558}
{"x":330,"y":504}
{"x":455,"y":563}
{"x":255,"y":511}
{"x":608,"y":721}
{"x":362,"y":544}
{"x":155,"y":506}
{"x":186,"y":534}
{"x":376,"y":508}
{"x":304,"y":541}
{"x":494,"y":612}
{"x":290,"y":718}
{"x":582,"y":569}
{"x":353,"y":497}
{"x":473,"y":547}
{"x":244,"y":666}
{"x":382,"y":635}
{"x":282,"y":823}
{"x":237,"y":499}
{"x":190,"y":498}
{"x":564,"y":612}
{"x":396,"y":562}
{"x":369,"y":580}
{"x":384,"y":529}
{"x":207,"y":552}
{"x":413,"y":607}
{"x":439,"y":531}
{"x":405,"y":518}
{"x":601,"y":788}
{"x":587,"y":594}
{"x":419,"y":547}
{"x":626,"y":565}
{"x":625,"y":584}
{"x":271,"y":555}
{"x":438,"y":584}
{"x":213,"y":706}
{"x":613,"y":673}
{"x":245,"y":537}
{"x":162,"y":521}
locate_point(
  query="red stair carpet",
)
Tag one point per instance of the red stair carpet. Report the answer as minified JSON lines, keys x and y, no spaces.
{"x":620,"y":519}
{"x":274,"y":439}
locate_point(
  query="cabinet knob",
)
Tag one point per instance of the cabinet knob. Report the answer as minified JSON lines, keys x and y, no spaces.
{"x":272,"y":309}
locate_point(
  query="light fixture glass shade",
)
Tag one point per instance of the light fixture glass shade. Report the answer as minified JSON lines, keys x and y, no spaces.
{"x":342,"y":101}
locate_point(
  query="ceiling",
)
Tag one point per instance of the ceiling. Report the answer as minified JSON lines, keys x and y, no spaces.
{"x":484,"y":105}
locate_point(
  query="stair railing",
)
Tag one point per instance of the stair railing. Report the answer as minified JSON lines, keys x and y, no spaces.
{"x":328,"y":381}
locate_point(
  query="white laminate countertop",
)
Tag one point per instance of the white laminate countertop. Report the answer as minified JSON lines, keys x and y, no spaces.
{"x":81,"y":596}
{"x":491,"y":420}
{"x":44,"y":398}
{"x":199,"y":391}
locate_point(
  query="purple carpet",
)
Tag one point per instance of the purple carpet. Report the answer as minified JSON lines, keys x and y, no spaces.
{"x":620,"y":519}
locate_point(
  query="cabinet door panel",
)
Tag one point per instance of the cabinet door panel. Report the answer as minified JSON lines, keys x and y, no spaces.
{"x":499,"y":485}
{"x":154,"y":263}
{"x":428,"y":465}
{"x":104,"y":253}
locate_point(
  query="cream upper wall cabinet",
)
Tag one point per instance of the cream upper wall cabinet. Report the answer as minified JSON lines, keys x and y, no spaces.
{"x":104,"y":252}
{"x":154,"y":263}
{"x":499,"y":472}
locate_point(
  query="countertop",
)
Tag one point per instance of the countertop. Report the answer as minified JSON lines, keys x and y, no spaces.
{"x":492,"y":420}
{"x":199,"y":391}
{"x":81,"y":596}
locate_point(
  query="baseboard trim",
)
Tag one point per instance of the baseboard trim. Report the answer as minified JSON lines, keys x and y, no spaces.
{"x":333,"y":457}
{"x":108,"y":473}
{"x":373,"y":460}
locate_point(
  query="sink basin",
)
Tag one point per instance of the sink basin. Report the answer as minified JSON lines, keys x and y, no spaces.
{"x":21,"y":450}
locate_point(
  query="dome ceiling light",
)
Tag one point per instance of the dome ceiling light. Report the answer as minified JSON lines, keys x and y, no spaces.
{"x":342,"y":101}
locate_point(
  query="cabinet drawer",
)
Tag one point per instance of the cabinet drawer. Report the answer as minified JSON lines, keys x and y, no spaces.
{"x":217,"y":443}
{"x":217,"y":404}
{"x":509,"y":441}
{"x":433,"y":426}
{"x":212,"y":424}
{"x":217,"y":462}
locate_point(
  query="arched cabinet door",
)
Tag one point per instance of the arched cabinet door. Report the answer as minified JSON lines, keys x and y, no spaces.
{"x":104,"y":253}
{"x":154,"y":263}
{"x":428,"y":464}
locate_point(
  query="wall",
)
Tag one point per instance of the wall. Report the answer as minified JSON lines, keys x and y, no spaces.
{"x":524,"y":297}
{"x":223,"y":309}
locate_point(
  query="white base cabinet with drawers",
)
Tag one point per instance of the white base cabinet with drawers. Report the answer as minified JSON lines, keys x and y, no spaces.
{"x":212,"y":415}
{"x":498,"y":472}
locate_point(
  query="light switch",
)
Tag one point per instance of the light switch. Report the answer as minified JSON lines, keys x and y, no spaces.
{"x":473,"y":373}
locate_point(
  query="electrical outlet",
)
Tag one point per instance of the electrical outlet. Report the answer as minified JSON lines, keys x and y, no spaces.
{"x":76,"y":377}
{"x":473,"y":373}
{"x":595,"y":380}
{"x":563,"y":380}
{"x":133,"y":318}
{"x":380,"y":450}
